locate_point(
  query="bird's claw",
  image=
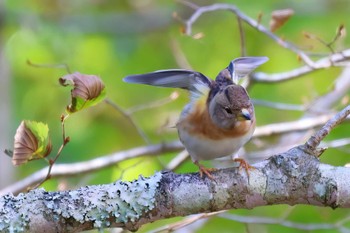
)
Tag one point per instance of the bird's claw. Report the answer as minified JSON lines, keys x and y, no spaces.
{"x":244,"y":164}
{"x":206,"y":171}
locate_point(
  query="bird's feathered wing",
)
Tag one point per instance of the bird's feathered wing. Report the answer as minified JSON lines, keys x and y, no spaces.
{"x":197,"y":83}
{"x":243,"y":66}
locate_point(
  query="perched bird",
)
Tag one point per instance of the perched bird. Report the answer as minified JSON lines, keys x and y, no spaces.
{"x":219,"y":118}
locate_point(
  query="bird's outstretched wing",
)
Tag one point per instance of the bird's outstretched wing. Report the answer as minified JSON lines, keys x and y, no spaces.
{"x":243,"y":66}
{"x":197,"y":83}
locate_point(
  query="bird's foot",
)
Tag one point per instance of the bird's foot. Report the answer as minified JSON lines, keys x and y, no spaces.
{"x":204,"y":170}
{"x":244,"y":164}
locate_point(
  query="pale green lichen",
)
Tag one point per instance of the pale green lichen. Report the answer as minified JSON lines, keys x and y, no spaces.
{"x":126,"y":201}
{"x":15,"y":211}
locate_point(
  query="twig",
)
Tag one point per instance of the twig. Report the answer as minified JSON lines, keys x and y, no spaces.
{"x":318,"y":39}
{"x":185,"y":222}
{"x":339,"y":33}
{"x":276,"y":105}
{"x":316,"y":139}
{"x":242,"y":37}
{"x":179,"y":55}
{"x":336,"y":143}
{"x":66,"y":170}
{"x":61,"y":65}
{"x":253,"y":23}
{"x":65,"y":140}
{"x":189,"y":4}
{"x":326,"y":62}
{"x":178,"y":160}
{"x":292,"y":126}
{"x":130,"y":119}
{"x":173,"y":96}
{"x":282,"y":222}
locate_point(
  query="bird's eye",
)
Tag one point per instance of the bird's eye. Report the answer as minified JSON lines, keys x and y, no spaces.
{"x":228,"y":110}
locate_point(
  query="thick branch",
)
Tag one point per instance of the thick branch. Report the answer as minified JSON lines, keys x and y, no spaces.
{"x":291,"y":178}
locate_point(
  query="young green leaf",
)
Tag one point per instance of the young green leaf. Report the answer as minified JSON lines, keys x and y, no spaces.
{"x":88,"y":90}
{"x":32,"y":141}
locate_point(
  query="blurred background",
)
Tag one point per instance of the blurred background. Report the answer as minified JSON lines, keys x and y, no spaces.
{"x":113,"y":39}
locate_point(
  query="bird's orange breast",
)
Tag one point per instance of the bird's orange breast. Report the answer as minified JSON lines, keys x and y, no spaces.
{"x":199,"y":123}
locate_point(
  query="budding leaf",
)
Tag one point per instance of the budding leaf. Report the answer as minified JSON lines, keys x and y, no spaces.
{"x":32,"y":141}
{"x":88,"y":90}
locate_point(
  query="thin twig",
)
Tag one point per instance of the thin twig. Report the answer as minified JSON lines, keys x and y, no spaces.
{"x":61,"y":65}
{"x":316,"y":139}
{"x":253,"y":23}
{"x":189,"y":4}
{"x":160,"y":102}
{"x":323,"y":42}
{"x":282,"y":222}
{"x":277,"y":105}
{"x":65,"y":140}
{"x":177,"y":160}
{"x":320,"y":40}
{"x":179,"y":55}
{"x":241,"y":37}
{"x":336,"y":143}
{"x":292,"y":126}
{"x":185,"y":222}
{"x":71,"y":169}
{"x":323,"y":63}
{"x":129,"y":118}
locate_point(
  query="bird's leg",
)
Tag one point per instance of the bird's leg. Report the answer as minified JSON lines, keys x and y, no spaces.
{"x":205,"y":170}
{"x":244,"y":164}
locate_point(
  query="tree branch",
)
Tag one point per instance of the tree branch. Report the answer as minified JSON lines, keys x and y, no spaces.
{"x":251,"y":22}
{"x":325,"y":62}
{"x":66,"y":170}
{"x":71,"y":169}
{"x":316,"y":139}
{"x":293,"y":177}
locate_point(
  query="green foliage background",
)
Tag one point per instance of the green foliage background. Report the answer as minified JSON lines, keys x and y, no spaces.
{"x":115,"y":38}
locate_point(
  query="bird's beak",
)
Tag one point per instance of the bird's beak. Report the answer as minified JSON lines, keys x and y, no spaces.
{"x":245,"y":115}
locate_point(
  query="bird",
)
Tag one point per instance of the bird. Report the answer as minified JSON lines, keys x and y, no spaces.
{"x":219,"y":118}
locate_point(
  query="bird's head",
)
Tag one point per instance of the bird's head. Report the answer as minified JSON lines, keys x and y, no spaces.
{"x":230,"y":106}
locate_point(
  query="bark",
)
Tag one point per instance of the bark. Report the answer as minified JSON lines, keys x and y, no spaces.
{"x":293,"y":177}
